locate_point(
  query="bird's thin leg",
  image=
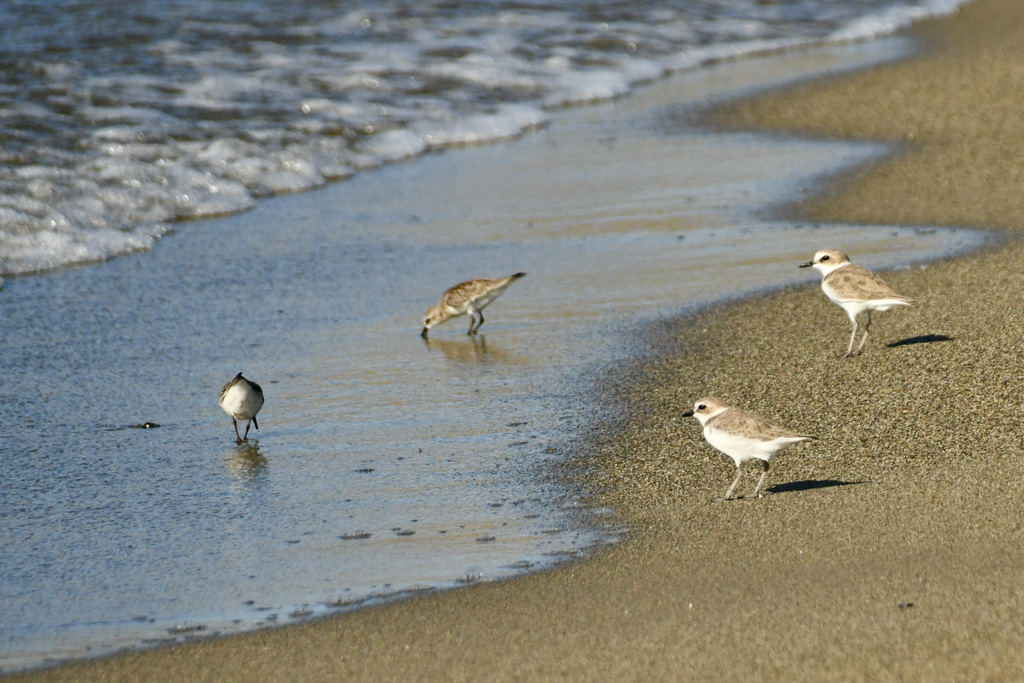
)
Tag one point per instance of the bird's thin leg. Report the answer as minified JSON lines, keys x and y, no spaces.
{"x":766,"y":465}
{"x":237,"y":437}
{"x":728,"y":494}
{"x":867,"y":328}
{"x":853,"y":335}
{"x":481,"y":314}
{"x":246,"y":437}
{"x":472,"y":322}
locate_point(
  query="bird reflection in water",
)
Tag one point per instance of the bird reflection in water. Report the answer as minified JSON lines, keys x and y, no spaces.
{"x":473,"y":350}
{"x":247,"y":461}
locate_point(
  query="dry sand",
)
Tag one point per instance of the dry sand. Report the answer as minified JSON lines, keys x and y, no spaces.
{"x":890,"y":549}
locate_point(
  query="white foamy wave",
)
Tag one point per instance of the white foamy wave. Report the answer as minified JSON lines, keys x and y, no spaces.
{"x":892,"y":19}
{"x":40,"y":250}
{"x":199,"y":117}
{"x":389,"y":146}
{"x":576,"y":87}
{"x":507,"y":122}
{"x":695,"y":57}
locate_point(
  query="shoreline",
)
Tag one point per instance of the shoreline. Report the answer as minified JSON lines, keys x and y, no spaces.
{"x":877,"y":557}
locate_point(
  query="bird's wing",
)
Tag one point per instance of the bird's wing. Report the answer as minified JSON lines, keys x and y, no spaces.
{"x":750,"y":425}
{"x":256,"y":387}
{"x":854,"y":282}
{"x":465,"y":292}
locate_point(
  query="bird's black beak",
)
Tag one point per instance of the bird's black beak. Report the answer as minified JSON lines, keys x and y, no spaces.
{"x":688,"y":413}
{"x":807,"y":265}
{"x":424,"y":333}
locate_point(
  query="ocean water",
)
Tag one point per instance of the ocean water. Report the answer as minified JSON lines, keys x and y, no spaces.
{"x":118,"y":119}
{"x":385,"y":464}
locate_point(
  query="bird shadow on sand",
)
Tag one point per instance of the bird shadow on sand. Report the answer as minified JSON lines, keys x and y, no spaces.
{"x":811,"y":484}
{"x":923,"y":339}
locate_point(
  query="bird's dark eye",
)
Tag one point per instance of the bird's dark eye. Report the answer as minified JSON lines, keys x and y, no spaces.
{"x":702,"y":407}
{"x":825,"y":257}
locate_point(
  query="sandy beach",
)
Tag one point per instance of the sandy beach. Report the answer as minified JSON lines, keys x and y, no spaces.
{"x":889,"y":549}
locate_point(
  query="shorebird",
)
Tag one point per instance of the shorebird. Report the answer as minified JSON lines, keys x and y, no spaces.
{"x":854,"y":288}
{"x":469,"y":297}
{"x":242,"y":399}
{"x":742,"y":436}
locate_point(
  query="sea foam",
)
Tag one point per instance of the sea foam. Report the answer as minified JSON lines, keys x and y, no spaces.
{"x":208,"y":107}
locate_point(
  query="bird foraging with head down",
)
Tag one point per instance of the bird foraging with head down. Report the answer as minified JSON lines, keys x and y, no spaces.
{"x":470,"y":297}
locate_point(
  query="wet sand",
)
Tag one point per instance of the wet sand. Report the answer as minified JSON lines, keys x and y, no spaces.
{"x":889,"y":549}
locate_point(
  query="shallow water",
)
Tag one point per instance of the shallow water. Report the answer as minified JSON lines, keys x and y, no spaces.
{"x":384,"y":463}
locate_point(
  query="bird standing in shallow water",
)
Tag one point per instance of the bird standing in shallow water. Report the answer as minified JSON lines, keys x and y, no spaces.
{"x":242,"y":399}
{"x":742,"y":436}
{"x":469,"y":297}
{"x":854,"y":288}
